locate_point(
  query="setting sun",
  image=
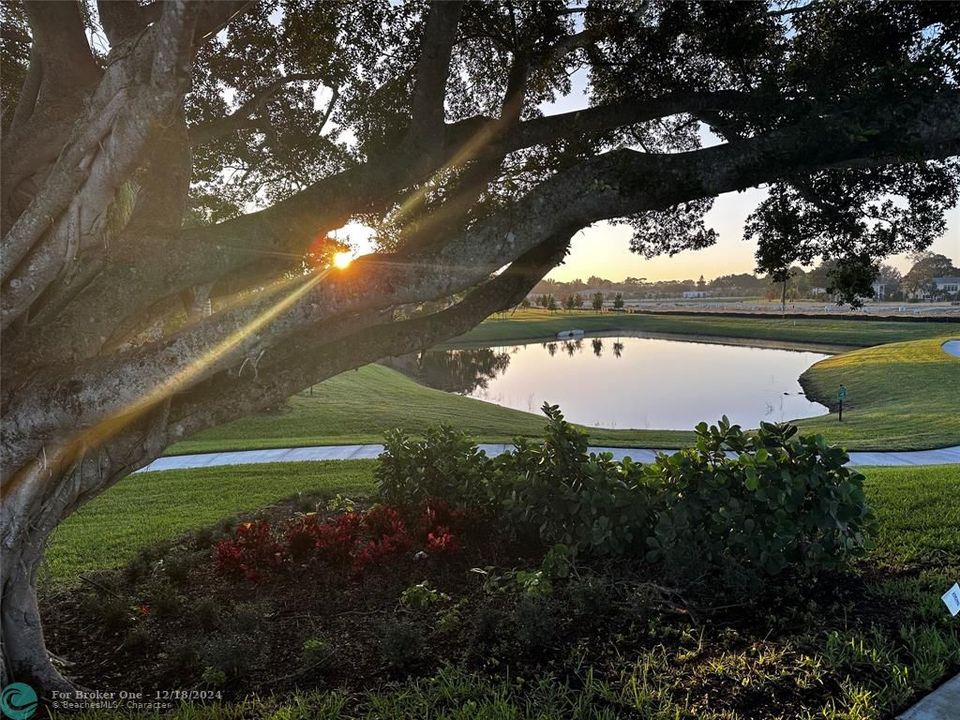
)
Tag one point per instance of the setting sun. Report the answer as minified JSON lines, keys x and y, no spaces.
{"x":342,"y":259}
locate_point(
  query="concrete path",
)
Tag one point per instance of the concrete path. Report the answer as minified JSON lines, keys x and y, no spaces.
{"x":942,"y":704}
{"x":943,"y":456}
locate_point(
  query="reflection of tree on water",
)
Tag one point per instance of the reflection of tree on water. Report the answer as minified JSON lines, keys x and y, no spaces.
{"x":465,"y":370}
{"x":572,"y":347}
{"x":456,"y":371}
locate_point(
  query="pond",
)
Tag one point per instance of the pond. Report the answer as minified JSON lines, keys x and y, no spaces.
{"x":628,"y":382}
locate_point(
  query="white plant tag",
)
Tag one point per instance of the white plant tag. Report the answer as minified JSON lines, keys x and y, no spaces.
{"x":951,"y":598}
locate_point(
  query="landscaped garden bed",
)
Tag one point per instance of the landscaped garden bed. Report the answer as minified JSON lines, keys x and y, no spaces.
{"x":537,"y":585}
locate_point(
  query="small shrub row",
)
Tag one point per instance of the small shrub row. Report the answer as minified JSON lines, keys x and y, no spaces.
{"x":742,"y":507}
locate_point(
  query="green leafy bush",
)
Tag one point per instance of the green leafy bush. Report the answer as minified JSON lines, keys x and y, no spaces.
{"x":421,"y":596}
{"x":785,"y":501}
{"x":567,"y":495}
{"x":445,"y":465}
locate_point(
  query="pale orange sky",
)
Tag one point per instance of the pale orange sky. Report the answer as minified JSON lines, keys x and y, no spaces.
{"x":604,"y":250}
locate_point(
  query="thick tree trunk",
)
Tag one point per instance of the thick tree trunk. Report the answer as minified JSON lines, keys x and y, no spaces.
{"x":25,"y":657}
{"x":28,"y":522}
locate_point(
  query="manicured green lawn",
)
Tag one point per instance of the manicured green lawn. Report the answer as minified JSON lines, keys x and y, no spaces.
{"x":918,"y":513}
{"x":536,"y":324}
{"x":918,"y":508}
{"x":899,"y":396}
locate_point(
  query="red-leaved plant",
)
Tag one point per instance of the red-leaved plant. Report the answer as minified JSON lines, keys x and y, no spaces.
{"x":359,"y":539}
{"x":252,"y":551}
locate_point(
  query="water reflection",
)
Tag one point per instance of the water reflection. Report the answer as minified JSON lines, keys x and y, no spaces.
{"x":458,"y":371}
{"x":628,"y":381}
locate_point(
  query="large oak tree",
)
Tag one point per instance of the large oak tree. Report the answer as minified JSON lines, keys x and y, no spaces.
{"x":172,"y":173}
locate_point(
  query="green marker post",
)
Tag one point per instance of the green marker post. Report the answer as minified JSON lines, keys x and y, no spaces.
{"x":841,"y":396}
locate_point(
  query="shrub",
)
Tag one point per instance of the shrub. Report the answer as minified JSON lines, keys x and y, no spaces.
{"x":586,"y":501}
{"x":487,"y":631}
{"x":332,"y":540}
{"x":182,"y":659}
{"x":536,"y":624}
{"x":786,"y":501}
{"x":444,"y":465}
{"x":177,"y":569}
{"x":247,"y":616}
{"x":203,"y":538}
{"x":742,"y":507}
{"x":213,"y":676}
{"x":251,"y":552}
{"x":115,"y":613}
{"x":341,"y":503}
{"x":442,"y":542}
{"x":207,"y":613}
{"x":164,"y":601}
{"x":402,"y":647}
{"x":231,"y":654}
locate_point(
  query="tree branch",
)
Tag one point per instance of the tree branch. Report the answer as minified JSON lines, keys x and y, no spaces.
{"x":930,"y":125}
{"x":240,"y":118}
{"x":614,"y":184}
{"x":429,"y":91}
{"x":629,"y":111}
{"x":315,"y":356}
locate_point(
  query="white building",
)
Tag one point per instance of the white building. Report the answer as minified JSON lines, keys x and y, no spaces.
{"x":948,"y":285}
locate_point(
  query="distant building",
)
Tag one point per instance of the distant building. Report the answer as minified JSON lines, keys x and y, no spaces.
{"x":818,"y":291}
{"x":687,"y":294}
{"x":949,"y":285}
{"x":879,"y":290}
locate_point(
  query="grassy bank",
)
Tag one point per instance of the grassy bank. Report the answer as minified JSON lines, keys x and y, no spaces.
{"x":918,"y":508}
{"x":899,"y":396}
{"x":538,"y":324}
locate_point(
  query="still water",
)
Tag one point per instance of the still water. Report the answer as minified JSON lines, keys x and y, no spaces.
{"x":628,"y":382}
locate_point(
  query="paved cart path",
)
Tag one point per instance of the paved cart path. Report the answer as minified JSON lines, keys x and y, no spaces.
{"x":943,"y":456}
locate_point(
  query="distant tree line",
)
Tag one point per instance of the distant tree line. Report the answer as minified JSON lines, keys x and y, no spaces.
{"x":796,"y":283}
